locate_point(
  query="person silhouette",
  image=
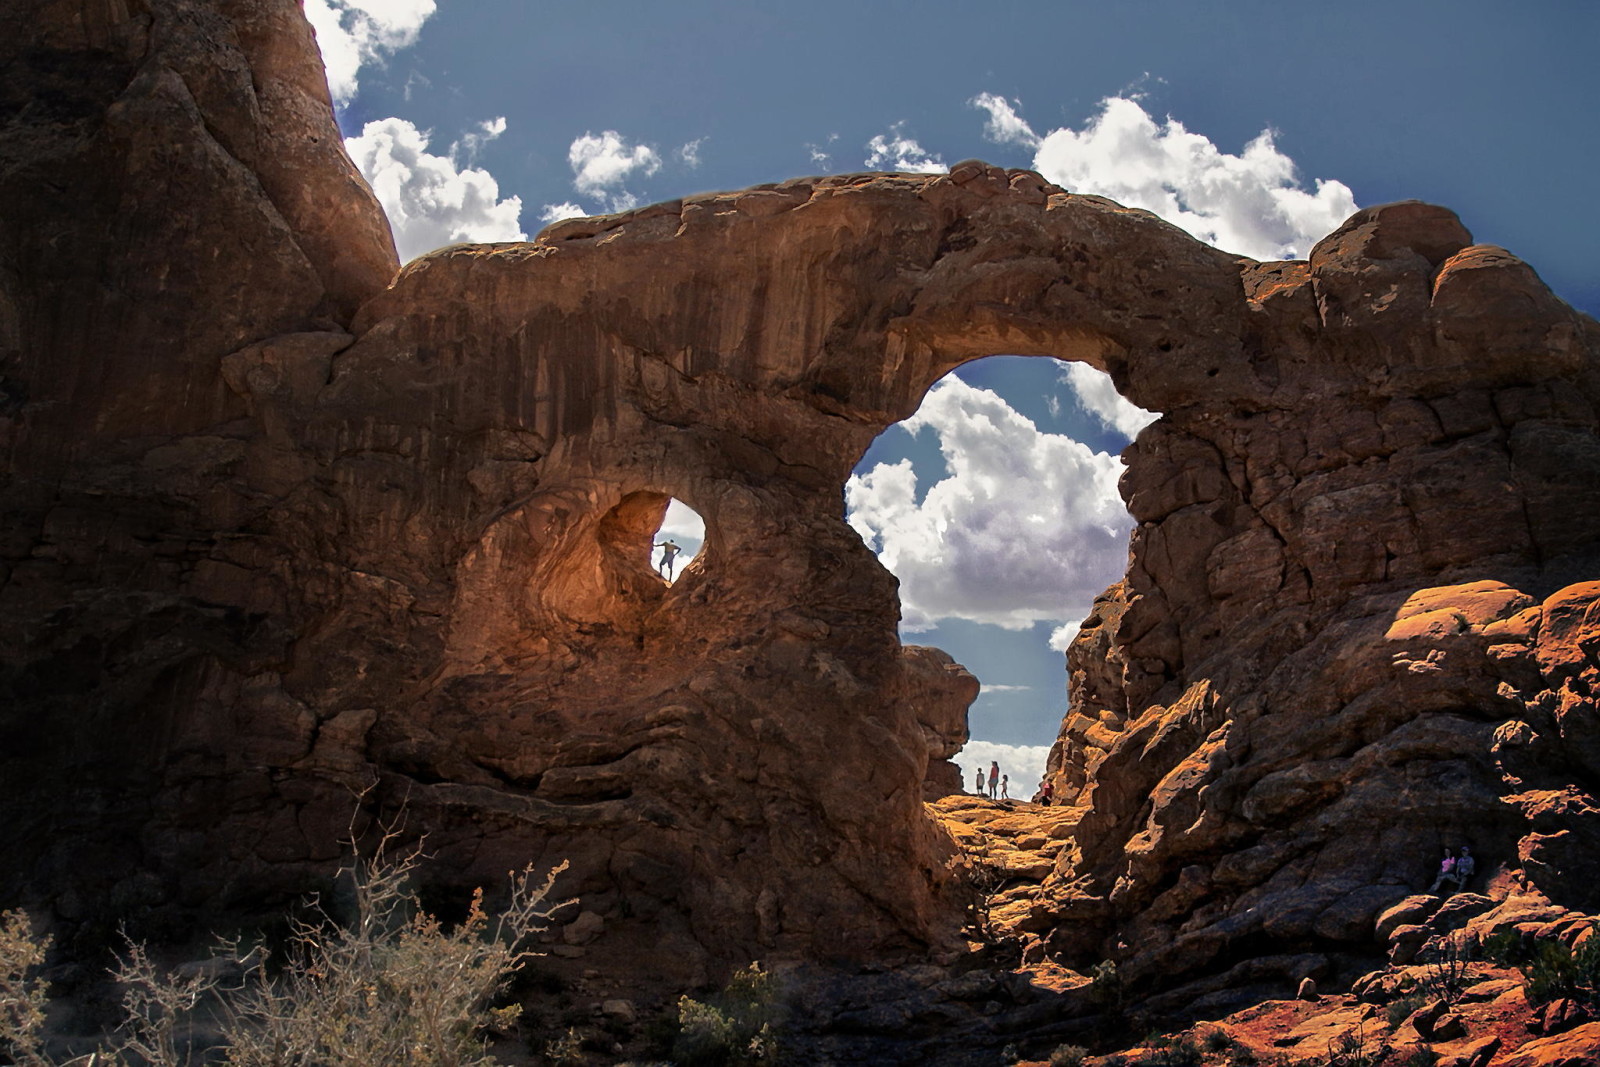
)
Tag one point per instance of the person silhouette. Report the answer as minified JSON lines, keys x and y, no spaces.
{"x":1465,"y":868}
{"x":1447,"y":871}
{"x":669,"y":552}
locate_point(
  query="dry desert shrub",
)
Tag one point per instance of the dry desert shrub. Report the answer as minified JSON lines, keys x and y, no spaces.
{"x":22,"y":993}
{"x":392,"y":985}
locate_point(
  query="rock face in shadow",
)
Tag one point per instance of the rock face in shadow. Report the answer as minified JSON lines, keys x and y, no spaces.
{"x":281,"y":533}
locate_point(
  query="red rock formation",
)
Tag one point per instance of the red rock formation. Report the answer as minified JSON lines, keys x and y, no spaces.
{"x":1331,"y":644}
{"x":265,"y":549}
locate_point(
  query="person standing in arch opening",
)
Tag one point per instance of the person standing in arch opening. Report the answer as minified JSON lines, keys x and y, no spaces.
{"x":669,"y":552}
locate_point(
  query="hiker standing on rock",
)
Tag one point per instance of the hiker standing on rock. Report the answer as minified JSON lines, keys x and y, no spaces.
{"x":994,"y":779}
{"x":669,"y":552}
{"x":977,"y":782}
{"x":1005,"y":787}
{"x":1046,"y":791}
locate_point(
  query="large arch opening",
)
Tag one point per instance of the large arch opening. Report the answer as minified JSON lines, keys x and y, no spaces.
{"x":996,"y":506}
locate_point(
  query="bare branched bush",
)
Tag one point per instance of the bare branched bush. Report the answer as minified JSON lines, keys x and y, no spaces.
{"x":1444,"y":963}
{"x":159,"y":1011}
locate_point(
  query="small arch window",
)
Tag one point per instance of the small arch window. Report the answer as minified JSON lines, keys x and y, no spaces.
{"x":678,"y":541}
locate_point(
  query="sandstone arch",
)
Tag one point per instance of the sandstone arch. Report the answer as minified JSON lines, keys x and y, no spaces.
{"x":376,"y":545}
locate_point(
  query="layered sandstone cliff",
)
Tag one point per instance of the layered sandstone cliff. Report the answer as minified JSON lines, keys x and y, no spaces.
{"x":280,"y":532}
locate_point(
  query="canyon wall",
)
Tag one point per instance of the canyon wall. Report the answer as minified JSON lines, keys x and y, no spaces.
{"x":285,"y":530}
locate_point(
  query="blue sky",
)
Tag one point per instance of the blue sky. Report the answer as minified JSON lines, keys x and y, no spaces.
{"x":1258,"y":126}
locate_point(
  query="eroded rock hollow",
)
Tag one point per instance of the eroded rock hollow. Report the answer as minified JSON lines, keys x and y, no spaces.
{"x":283,"y":528}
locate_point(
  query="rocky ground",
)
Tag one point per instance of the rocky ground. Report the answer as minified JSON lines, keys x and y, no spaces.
{"x":1451,"y":981}
{"x":1437,"y":1001}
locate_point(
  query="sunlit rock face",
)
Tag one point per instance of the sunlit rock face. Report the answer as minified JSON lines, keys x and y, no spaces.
{"x":1348,"y":638}
{"x":281,"y":532}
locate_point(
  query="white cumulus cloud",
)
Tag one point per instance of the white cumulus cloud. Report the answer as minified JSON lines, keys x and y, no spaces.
{"x":1004,"y":126}
{"x":1097,"y":396}
{"x":1022,"y":764}
{"x":429,"y":200}
{"x":683,"y":521}
{"x":472,"y":142}
{"x":689,"y":153}
{"x":603,"y":163}
{"x":564,"y":210}
{"x":1253,"y":203}
{"x":1026,"y":527}
{"x":356,"y":33}
{"x":896,"y":151}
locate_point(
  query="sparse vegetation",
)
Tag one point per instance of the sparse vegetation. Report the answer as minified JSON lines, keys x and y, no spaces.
{"x":565,"y":1048}
{"x":979,"y":884}
{"x":393,"y":985}
{"x":22,"y":993}
{"x":1068,"y":1056}
{"x":736,"y":1027}
{"x":1106,"y":990}
{"x":1444,"y":969}
{"x":1175,"y":1051}
{"x":1551,"y":970}
{"x":1398,"y":1011}
{"x":1349,"y":1050}
{"x":1421,"y":1057}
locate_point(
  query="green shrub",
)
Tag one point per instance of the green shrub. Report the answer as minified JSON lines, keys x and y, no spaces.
{"x":1106,"y":990}
{"x":1217,"y":1040}
{"x":1504,"y":948}
{"x":1550,"y":970}
{"x":1400,"y":1010}
{"x":564,"y":1049}
{"x":737,"y":1026}
{"x":1171,"y":1052}
{"x":1556,"y":971}
{"x":1068,"y":1056}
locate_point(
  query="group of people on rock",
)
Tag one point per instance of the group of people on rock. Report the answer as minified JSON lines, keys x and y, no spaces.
{"x":999,"y":784}
{"x":1455,"y":870}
